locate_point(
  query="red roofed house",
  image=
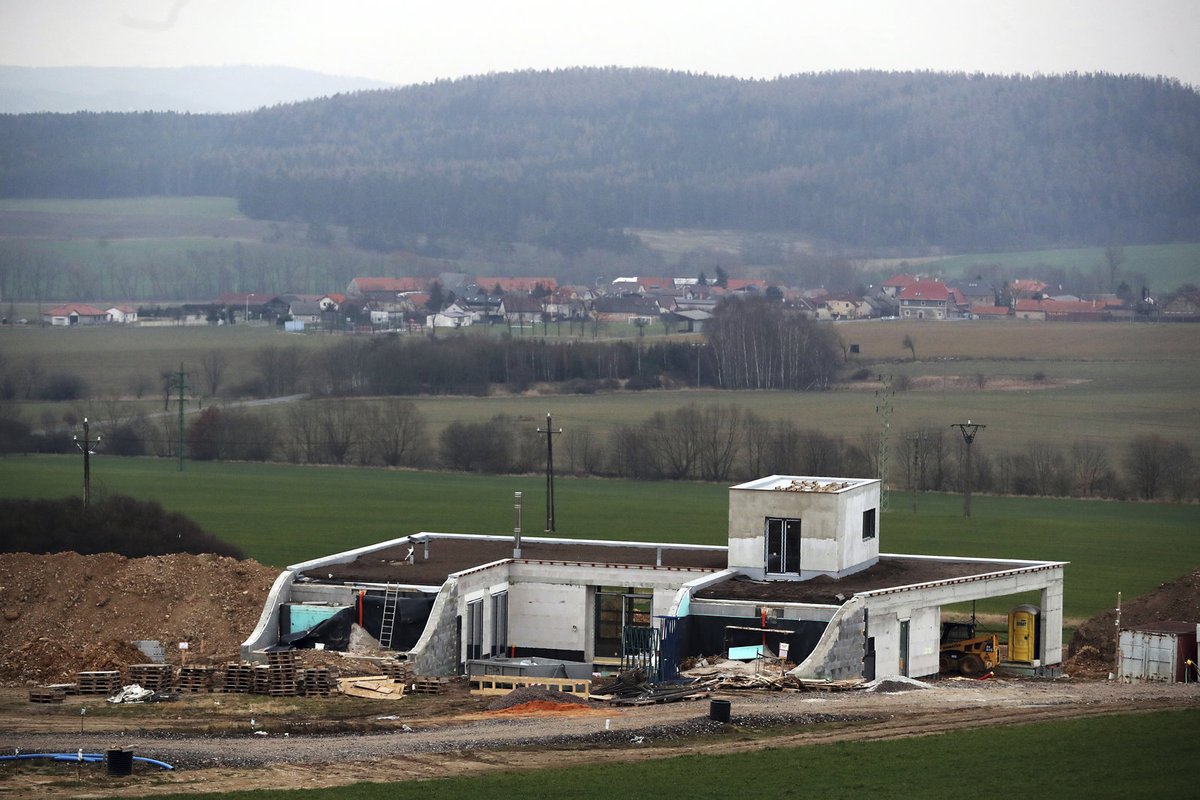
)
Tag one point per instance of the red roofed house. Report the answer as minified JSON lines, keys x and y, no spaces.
{"x":990,"y":312}
{"x":75,"y":314}
{"x":925,"y":300}
{"x":894,"y":285}
{"x":123,"y":314}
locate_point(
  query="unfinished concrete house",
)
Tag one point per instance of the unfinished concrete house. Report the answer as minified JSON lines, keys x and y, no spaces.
{"x":802,"y":571}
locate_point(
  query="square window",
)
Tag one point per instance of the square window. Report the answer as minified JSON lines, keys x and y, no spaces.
{"x":868,"y":529}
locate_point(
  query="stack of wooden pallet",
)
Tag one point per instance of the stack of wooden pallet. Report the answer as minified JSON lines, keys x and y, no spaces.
{"x":430,"y":684}
{"x":283,"y":673}
{"x":155,"y":677}
{"x":239,"y":678}
{"x":262,"y":679}
{"x":104,"y":682}
{"x":47,"y":694}
{"x":394,"y":668}
{"x":316,"y":682}
{"x":195,"y":679}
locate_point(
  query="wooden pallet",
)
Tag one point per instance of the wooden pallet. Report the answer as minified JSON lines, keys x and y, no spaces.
{"x":195,"y":680}
{"x":104,"y":682}
{"x":396,"y":669}
{"x":47,"y":694}
{"x":238,"y":678}
{"x":377,"y":687}
{"x":427,"y":684}
{"x":155,"y":677}
{"x":316,"y":682}
{"x":503,"y":684}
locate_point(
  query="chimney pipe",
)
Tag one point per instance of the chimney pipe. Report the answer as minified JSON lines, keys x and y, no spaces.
{"x":516,"y":524}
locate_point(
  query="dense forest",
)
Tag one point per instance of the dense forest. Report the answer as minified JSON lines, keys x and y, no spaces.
{"x":569,"y":158}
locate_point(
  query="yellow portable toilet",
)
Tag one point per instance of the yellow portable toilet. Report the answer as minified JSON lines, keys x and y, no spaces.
{"x":1023,"y":634}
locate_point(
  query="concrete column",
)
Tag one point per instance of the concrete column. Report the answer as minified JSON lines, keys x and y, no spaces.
{"x":1052,"y":621}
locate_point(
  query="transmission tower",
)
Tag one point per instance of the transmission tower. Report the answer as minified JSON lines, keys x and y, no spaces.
{"x":178,"y":381}
{"x":883,"y":407}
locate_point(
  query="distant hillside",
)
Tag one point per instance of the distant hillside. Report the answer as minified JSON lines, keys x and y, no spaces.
{"x":202,"y":90}
{"x":568,"y":159}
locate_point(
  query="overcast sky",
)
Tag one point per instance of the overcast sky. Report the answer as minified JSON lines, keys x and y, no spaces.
{"x":414,"y":42}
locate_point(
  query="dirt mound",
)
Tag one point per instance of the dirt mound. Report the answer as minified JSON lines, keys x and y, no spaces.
{"x":62,"y":613}
{"x":1178,"y":600}
{"x":536,"y":698}
{"x":1087,"y":663}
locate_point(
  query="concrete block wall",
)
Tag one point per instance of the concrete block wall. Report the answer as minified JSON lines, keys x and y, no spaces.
{"x":436,"y":652}
{"x":839,"y":654}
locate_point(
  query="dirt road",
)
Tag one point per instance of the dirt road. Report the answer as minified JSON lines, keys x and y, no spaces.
{"x":216,"y":750}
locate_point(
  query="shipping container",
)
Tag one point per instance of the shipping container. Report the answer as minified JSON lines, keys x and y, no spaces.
{"x":1159,"y":652}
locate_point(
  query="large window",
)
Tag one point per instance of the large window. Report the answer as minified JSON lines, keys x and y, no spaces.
{"x":499,"y":623}
{"x":475,"y":629}
{"x":619,"y":607}
{"x":783,"y":546}
{"x":869,"y":517}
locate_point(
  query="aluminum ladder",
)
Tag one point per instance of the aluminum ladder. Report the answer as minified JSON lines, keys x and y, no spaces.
{"x":391,"y":597}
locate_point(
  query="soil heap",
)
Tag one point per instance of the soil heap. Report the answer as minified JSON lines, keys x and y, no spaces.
{"x":62,"y":613}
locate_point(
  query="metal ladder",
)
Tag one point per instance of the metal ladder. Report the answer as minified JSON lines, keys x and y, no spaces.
{"x":391,"y":597}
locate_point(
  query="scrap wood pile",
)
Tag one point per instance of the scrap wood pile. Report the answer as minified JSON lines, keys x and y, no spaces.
{"x":767,"y":674}
{"x":632,"y":688}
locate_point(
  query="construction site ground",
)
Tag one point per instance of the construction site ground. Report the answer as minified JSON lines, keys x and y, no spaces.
{"x":66,"y":613}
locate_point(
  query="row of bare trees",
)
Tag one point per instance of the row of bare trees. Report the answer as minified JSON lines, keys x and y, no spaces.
{"x":708,"y":443}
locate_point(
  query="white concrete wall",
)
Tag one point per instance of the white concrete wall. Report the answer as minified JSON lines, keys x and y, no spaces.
{"x":830,"y":530}
{"x":548,"y":616}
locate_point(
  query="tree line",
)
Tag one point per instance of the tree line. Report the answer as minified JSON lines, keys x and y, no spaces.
{"x":720,"y":443}
{"x":569,"y":158}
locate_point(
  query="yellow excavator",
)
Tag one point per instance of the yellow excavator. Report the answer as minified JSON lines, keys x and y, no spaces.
{"x":964,"y":653}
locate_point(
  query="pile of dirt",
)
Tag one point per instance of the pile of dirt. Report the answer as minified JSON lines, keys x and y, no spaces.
{"x":63,"y":613}
{"x":1177,"y":601}
{"x":536,"y":698}
{"x":1087,"y":663}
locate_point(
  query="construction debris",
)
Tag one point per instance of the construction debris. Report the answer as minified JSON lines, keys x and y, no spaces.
{"x":131,"y":694}
{"x":373,"y":688}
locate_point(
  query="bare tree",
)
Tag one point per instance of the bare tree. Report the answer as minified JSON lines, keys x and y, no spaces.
{"x":212,"y":366}
{"x":303,"y":442}
{"x":1146,"y":464}
{"x":1089,"y":468}
{"x":585,"y":451}
{"x":337,"y":422}
{"x":909,"y":345}
{"x":397,"y":432}
{"x":721,"y":434}
{"x":280,"y":368}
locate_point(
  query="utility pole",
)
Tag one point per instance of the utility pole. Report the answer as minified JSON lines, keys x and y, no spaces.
{"x":884,"y":409}
{"x":918,"y":465}
{"x":550,"y":432}
{"x":178,"y":381}
{"x":968,"y":430}
{"x":85,"y":446}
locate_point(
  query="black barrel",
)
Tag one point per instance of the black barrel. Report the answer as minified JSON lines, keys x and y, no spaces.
{"x":718,"y":710}
{"x":120,"y":762}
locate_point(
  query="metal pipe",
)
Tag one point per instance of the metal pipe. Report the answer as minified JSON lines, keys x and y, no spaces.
{"x":516,"y":524}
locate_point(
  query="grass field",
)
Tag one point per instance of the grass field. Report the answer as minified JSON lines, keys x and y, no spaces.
{"x":1128,"y":755}
{"x":1103,"y":382}
{"x":285,"y":514}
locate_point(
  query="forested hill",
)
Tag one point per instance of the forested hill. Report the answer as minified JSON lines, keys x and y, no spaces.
{"x":566,"y":157}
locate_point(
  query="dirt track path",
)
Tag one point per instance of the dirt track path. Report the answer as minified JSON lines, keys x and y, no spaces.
{"x":477,"y":744}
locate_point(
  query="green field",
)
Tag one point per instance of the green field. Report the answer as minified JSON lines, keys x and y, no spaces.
{"x":285,"y":514}
{"x":1100,"y":382}
{"x":1164,"y":266}
{"x":1120,"y":756}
